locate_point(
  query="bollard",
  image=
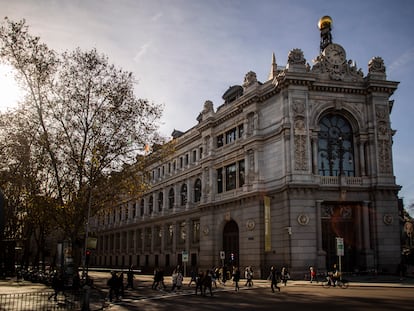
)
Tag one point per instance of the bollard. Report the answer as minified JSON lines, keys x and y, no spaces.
{"x":85,"y":297}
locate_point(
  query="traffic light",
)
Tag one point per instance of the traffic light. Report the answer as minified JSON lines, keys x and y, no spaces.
{"x":87,"y":256}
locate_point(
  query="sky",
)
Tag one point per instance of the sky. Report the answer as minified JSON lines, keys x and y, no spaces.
{"x":184,"y":52}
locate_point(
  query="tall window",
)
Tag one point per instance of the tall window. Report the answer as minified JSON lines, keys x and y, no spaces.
{"x":171,"y":198}
{"x":231,"y":135}
{"x":231,"y":177}
{"x":197,"y":190}
{"x":160,"y":201}
{"x":335,"y":147}
{"x":220,"y":141}
{"x":151,"y":204}
{"x":241,"y":173}
{"x":184,"y":194}
{"x":141,"y":208}
{"x":196,"y":231}
{"x":220,"y":180}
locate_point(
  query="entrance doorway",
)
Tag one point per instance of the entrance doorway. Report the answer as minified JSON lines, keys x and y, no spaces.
{"x":338,"y":220}
{"x":231,"y":243}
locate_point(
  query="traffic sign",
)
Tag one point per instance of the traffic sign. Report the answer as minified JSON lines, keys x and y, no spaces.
{"x":339,"y":246}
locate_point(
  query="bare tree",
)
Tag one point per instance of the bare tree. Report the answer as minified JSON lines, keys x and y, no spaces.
{"x":84,"y":123}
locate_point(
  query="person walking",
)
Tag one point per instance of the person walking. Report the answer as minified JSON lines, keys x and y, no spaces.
{"x":285,"y":275}
{"x":193,"y":275}
{"x":248,"y":274}
{"x":274,"y":278}
{"x":199,"y":283}
{"x":177,"y":280}
{"x":156,"y":282}
{"x":312,"y":273}
{"x":130,"y":278}
{"x":113,"y":284}
{"x":57,"y":285}
{"x":236,"y":278}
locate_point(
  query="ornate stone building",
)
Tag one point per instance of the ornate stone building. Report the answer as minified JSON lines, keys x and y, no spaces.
{"x":273,"y":176}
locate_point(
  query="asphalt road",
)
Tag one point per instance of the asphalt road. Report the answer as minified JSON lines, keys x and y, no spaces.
{"x":292,"y":297}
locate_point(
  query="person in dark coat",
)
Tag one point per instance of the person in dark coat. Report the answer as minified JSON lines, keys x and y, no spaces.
{"x":130,"y":278}
{"x":274,"y":278}
{"x":113,"y":284}
{"x":58,"y":285}
{"x":236,"y":278}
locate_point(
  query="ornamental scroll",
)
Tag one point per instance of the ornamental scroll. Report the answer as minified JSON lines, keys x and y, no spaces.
{"x":384,"y":141}
{"x":300,"y":137}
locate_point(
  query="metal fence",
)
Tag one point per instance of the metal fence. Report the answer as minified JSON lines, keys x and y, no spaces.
{"x":41,"y":301}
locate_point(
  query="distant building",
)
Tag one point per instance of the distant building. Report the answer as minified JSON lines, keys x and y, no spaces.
{"x":273,"y":176}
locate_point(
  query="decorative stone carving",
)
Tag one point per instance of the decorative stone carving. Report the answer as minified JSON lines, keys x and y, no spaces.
{"x":348,"y":71}
{"x":296,"y":61}
{"x":303,"y":219}
{"x":388,"y":219}
{"x":296,"y":57}
{"x":298,"y":107}
{"x":250,"y":224}
{"x":250,"y":79}
{"x":206,"y":230}
{"x":384,"y":140}
{"x":208,"y":107}
{"x":376,"y":64}
{"x":300,"y":135}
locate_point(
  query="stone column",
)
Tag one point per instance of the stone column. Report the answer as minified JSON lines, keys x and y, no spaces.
{"x":362,"y":158}
{"x":321,"y":254}
{"x":315,"y":155}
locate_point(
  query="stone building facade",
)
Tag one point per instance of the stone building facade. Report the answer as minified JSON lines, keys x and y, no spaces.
{"x":272,"y":177}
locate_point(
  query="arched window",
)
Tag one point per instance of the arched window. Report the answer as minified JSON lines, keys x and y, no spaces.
{"x":197,"y":190}
{"x":183,"y":194}
{"x":160,"y":201}
{"x":335,"y":147}
{"x":171,"y":198}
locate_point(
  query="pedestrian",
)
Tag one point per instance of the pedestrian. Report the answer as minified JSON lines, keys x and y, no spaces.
{"x":274,"y":278}
{"x":224,"y":275}
{"x":58,"y":285}
{"x":161,"y":279}
{"x":215,"y":275}
{"x":248,"y":274}
{"x":312,"y":273}
{"x":207,"y":283}
{"x":236,"y":278}
{"x":130,"y":278}
{"x":174,"y":277}
{"x":156,"y":282}
{"x":113,"y":286}
{"x":284,"y":275}
{"x":199,"y":283}
{"x":193,"y":275}
{"x":121,"y":284}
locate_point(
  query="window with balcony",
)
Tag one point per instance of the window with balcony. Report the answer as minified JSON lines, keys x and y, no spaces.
{"x":335,"y":147}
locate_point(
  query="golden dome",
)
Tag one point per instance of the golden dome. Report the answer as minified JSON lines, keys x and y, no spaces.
{"x":325,"y":22}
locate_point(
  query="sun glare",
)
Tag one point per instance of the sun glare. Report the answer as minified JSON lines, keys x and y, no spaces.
{"x":10,"y":92}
